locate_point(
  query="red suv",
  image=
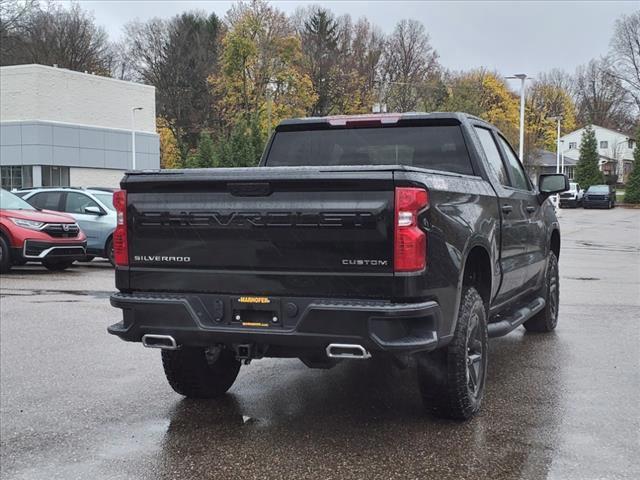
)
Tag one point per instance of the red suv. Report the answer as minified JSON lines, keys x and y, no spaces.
{"x":31,"y":235}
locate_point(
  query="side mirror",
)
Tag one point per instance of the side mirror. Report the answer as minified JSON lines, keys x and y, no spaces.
{"x":93,"y":211}
{"x":550,"y":183}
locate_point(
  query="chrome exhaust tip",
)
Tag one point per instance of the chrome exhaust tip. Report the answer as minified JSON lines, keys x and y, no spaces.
{"x":347,"y":350}
{"x":166,"y":342}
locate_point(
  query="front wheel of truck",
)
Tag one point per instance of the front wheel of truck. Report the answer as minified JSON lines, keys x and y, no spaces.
{"x":452,"y":379}
{"x":200,"y":372}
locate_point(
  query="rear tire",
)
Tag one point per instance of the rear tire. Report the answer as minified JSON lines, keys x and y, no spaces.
{"x":5,"y":256}
{"x":196,"y":373}
{"x":452,"y":379}
{"x":546,"y":320}
{"x":57,"y":265}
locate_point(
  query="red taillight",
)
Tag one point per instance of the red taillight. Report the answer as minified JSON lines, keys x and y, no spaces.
{"x":410,"y":246}
{"x":120,"y":244}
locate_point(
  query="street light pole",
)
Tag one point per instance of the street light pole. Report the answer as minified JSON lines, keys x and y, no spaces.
{"x":133,"y":136}
{"x":559,"y":119}
{"x":523,"y":78}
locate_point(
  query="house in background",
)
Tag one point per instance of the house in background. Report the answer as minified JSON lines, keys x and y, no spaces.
{"x":60,"y":128}
{"x":614,"y":148}
{"x":544,"y":161}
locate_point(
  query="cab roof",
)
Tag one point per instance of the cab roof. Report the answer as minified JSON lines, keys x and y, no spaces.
{"x":372,"y":119}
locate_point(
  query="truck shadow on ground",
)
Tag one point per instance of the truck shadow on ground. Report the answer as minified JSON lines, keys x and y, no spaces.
{"x":364,"y":417}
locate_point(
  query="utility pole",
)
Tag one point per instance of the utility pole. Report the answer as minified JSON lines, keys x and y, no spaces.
{"x":523,"y":78}
{"x":133,"y":137}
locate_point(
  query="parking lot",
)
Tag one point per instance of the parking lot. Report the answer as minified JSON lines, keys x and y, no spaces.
{"x":79,"y":403}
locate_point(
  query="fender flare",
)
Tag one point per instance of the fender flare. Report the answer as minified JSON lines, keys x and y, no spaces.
{"x":474,"y":241}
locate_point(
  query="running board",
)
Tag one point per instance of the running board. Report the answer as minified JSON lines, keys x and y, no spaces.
{"x":517,"y":318}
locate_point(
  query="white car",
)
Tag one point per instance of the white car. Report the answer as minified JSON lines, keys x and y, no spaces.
{"x":572,"y":197}
{"x":91,"y":207}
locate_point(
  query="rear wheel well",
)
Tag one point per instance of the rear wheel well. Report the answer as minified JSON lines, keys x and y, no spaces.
{"x":555,"y":243}
{"x":477,"y":273}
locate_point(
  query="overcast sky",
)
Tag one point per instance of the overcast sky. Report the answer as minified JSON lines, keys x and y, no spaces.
{"x":509,"y":36}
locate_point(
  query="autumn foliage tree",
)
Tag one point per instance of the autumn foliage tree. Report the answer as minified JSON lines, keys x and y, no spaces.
{"x":236,"y":78}
{"x":261,"y":74}
{"x":169,"y":153}
{"x":547,"y":97}
{"x":487,"y":96}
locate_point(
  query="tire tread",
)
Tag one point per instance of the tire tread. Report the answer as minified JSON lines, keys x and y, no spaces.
{"x":189,"y":373}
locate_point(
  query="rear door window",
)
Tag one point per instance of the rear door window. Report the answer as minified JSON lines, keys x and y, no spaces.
{"x":436,"y":147}
{"x":46,"y":200}
{"x":518,"y":176}
{"x":493,"y":155}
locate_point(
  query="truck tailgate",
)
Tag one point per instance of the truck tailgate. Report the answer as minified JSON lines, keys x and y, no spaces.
{"x":300,"y":231}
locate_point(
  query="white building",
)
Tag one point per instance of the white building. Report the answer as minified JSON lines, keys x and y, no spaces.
{"x":614,"y":148}
{"x":60,"y":128}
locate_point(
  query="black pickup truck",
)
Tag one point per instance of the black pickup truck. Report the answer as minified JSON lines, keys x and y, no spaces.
{"x":412,"y":237}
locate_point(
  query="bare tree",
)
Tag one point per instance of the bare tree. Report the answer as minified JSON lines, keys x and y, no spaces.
{"x":14,"y":12}
{"x":121,"y":65}
{"x":601,"y":98}
{"x":13,"y":15}
{"x":69,"y":38}
{"x":177,"y":57}
{"x":625,"y":50}
{"x":409,"y":58}
{"x":366,"y":51}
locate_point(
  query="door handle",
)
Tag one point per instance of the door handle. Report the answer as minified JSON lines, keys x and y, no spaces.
{"x":530,"y":208}
{"x":507,"y":209}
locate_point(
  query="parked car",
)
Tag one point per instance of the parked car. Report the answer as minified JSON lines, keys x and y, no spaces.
{"x":396,"y":236}
{"x":602,"y":196}
{"x":92,"y":209}
{"x":30,"y":235}
{"x":573,"y":197}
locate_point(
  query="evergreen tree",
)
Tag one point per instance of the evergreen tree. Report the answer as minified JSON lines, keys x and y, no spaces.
{"x":243,"y":146}
{"x":587,"y":171}
{"x":632,"y":189}
{"x":204,"y":156}
{"x":320,"y":47}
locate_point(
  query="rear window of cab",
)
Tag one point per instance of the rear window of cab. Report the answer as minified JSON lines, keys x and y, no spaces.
{"x":435,"y":147}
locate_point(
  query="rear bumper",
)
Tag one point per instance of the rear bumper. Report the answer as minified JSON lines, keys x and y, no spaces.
{"x":569,"y":202}
{"x":302,"y":323}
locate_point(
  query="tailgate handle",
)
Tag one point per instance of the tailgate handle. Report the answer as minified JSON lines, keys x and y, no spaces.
{"x":260,"y":189}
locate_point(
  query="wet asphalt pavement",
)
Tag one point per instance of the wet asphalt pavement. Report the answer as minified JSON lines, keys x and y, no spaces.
{"x":77,"y":403}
